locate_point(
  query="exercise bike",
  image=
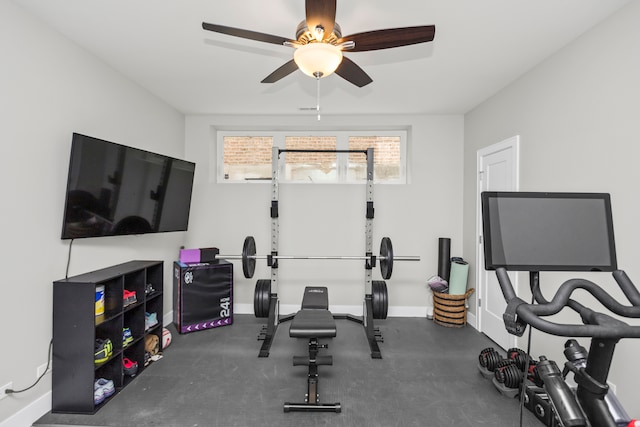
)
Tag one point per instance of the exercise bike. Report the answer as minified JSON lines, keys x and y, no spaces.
{"x":537,"y":232}
{"x":593,"y":404}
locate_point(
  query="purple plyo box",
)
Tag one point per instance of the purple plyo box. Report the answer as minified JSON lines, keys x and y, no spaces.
{"x":189,"y":256}
{"x":202,"y":295}
{"x":193,"y":256}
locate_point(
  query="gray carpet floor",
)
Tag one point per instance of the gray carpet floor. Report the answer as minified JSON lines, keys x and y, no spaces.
{"x":428,"y":376}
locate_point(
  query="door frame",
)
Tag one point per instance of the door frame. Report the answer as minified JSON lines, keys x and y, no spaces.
{"x":512,"y":143}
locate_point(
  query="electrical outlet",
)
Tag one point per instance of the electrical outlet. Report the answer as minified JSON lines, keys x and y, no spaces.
{"x":3,"y":388}
{"x":41,"y":369}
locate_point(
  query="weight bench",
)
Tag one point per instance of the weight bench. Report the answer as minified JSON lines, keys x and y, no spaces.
{"x":313,"y":321}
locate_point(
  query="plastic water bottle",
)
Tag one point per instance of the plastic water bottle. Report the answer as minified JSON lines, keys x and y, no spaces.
{"x":561,"y":396}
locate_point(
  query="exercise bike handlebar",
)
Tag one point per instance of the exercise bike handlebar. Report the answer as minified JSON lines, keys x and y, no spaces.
{"x":595,"y":324}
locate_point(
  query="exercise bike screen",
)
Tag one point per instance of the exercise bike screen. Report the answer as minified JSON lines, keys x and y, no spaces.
{"x":548,"y":231}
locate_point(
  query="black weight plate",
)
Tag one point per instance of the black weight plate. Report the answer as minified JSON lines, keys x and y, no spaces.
{"x":385,"y":303}
{"x":262,"y":298}
{"x":263,"y":291}
{"x":266,"y":298}
{"x":375,"y":299}
{"x":379,"y":299}
{"x":248,"y":257}
{"x":257,"y":309}
{"x":386,"y":258}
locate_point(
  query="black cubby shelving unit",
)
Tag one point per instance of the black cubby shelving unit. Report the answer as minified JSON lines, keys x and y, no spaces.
{"x":76,"y":328}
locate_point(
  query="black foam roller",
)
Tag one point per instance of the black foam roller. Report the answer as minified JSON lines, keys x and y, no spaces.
{"x":444,"y":257}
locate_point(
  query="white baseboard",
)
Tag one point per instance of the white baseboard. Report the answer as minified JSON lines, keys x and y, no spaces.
{"x":356,"y":310}
{"x":167,"y":319}
{"x":407,"y":311}
{"x":472,"y":320}
{"x":26,"y":416}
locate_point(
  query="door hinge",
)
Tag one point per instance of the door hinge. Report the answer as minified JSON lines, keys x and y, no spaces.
{"x":480,"y":239}
{"x":479,"y":302}
{"x":480,"y":175}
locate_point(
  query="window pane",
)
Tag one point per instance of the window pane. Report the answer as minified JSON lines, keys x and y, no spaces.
{"x":311,"y":167}
{"x":386,"y":158}
{"x":247,"y":157}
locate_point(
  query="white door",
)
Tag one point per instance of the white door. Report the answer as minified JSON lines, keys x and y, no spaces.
{"x":497,"y":171}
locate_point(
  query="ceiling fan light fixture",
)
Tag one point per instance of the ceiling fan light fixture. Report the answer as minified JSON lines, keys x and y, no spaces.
{"x":318,"y":59}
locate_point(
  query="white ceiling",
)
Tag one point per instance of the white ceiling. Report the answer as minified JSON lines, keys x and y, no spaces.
{"x":480,"y":46}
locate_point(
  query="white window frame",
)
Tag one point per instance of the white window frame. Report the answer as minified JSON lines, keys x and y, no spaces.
{"x":342,"y":143}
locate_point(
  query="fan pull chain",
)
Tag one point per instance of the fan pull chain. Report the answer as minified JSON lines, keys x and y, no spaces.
{"x":318,"y":94}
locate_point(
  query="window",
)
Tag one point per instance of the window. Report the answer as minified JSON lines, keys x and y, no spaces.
{"x":387,"y":158}
{"x":246,"y":156}
{"x":313,"y":167}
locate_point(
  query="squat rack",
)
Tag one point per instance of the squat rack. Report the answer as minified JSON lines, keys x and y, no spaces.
{"x":274,"y":319}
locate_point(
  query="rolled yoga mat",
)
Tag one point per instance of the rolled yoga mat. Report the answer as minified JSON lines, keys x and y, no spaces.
{"x":458,"y":277}
{"x":444,"y":257}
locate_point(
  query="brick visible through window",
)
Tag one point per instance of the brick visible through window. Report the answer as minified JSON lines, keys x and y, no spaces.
{"x":312,"y":167}
{"x":247,"y":157}
{"x":386,"y":157}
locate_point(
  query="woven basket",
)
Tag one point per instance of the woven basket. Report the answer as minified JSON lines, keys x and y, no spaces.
{"x":449,"y":310}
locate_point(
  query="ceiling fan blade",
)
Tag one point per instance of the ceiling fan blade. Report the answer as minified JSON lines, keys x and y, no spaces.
{"x":391,"y":37}
{"x":321,"y":12}
{"x":351,"y":72}
{"x":246,"y":34}
{"x":281,"y":72}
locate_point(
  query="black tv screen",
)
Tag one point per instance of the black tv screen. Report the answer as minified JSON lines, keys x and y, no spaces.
{"x":548,"y":231}
{"x":113,"y":190}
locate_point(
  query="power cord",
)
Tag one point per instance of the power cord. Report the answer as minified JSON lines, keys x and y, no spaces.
{"x":11,"y":391}
{"x":523,"y":392}
{"x":66,"y":275}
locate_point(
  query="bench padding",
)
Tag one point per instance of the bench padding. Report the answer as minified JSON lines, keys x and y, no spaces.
{"x":315,"y":298}
{"x":313,"y":324}
{"x":314,"y":320}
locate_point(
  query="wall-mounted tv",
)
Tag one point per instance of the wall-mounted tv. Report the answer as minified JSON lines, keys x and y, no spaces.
{"x":114,"y":190}
{"x":528,"y":231}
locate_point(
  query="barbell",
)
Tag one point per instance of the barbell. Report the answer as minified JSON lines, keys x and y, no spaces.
{"x":249,"y":257}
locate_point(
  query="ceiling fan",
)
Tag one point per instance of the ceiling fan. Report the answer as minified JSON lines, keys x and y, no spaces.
{"x":319,"y":43}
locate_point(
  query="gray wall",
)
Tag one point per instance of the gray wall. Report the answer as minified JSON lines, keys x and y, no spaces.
{"x":577,"y":115}
{"x":329,"y":219}
{"x":50,"y":89}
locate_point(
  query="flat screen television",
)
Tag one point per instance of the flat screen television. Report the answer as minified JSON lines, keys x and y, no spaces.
{"x":114,"y":190}
{"x":526,"y":231}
